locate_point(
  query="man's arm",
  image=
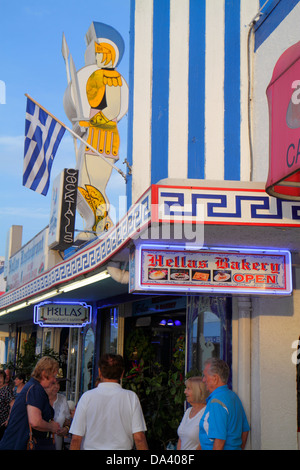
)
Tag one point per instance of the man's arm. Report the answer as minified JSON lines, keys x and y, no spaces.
{"x":218,"y":444}
{"x":75,"y":442}
{"x":140,"y":441}
{"x":244,"y":439}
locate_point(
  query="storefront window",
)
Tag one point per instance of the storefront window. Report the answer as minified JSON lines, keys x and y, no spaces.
{"x":26,"y":333}
{"x":88,"y":360}
{"x":73,"y":365}
{"x":12,"y":345}
{"x":47,"y":339}
{"x":39,"y":341}
{"x":209,"y":331}
{"x":109,"y":330}
{"x":113,"y":330}
{"x":19,"y":339}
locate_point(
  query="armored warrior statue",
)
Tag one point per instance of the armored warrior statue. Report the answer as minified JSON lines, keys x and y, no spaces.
{"x":95,"y":100}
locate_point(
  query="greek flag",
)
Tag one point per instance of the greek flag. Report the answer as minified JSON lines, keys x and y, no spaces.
{"x":42,"y":138}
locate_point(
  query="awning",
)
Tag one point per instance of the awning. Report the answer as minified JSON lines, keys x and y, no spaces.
{"x":283,"y":95}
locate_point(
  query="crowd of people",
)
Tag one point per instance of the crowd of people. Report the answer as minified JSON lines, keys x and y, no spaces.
{"x":35,"y":416}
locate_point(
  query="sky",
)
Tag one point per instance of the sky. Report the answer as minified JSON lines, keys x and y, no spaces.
{"x":31,"y":62}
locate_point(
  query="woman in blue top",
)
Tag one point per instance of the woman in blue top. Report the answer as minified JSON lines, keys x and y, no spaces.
{"x":32,"y":406}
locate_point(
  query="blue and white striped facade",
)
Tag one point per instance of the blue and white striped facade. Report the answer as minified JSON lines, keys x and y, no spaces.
{"x":198,"y":111}
{"x":188,"y":91}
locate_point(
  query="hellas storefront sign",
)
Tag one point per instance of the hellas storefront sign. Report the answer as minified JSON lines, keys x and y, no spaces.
{"x":175,"y":269}
{"x":51,"y":314}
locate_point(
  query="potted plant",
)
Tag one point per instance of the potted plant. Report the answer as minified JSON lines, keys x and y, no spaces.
{"x":160,"y":391}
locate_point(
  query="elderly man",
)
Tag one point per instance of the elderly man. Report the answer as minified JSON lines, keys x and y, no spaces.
{"x":224,"y":423}
{"x":109,"y":417}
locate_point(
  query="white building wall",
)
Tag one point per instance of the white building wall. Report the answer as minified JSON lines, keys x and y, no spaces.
{"x":178,"y":108}
{"x":248,"y":12}
{"x":214,"y":90}
{"x":275,"y":326}
{"x":285,"y":35}
{"x":275,"y":323}
{"x":141,"y":132}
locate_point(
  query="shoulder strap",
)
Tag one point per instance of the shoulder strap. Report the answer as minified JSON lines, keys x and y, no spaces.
{"x":28,"y":392}
{"x":30,"y":428}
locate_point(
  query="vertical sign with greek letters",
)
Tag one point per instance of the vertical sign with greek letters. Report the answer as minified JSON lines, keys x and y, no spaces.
{"x":63,"y":210}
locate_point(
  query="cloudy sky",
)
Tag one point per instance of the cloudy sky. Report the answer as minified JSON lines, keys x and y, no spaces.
{"x":31,"y":62}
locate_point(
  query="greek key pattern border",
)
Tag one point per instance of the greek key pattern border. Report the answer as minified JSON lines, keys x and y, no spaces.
{"x":88,"y":259}
{"x":224,"y":206}
{"x":164,"y":204}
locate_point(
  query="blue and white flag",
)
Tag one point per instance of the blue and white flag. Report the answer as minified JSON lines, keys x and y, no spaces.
{"x":42,"y":138}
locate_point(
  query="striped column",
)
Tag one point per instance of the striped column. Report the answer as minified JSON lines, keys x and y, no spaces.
{"x":188,"y":91}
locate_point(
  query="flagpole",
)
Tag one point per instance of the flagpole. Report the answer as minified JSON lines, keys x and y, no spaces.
{"x":78,"y":137}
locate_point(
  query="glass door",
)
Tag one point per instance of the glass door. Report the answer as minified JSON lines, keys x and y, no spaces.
{"x":88,"y":360}
{"x":74,"y":365}
{"x":208,"y":331}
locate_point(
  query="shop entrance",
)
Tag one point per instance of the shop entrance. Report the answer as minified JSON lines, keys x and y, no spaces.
{"x":209,"y":330}
{"x":165,"y":339}
{"x":154,"y":351}
{"x":76,"y":356}
{"x":154,"y":337}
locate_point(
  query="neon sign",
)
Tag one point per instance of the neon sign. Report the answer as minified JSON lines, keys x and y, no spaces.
{"x":62,"y":314}
{"x":239,"y":271}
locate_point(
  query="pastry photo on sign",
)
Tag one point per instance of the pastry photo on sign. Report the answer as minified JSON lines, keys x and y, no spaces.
{"x":201,"y":275}
{"x":222,"y":276}
{"x":180,"y":274}
{"x":157,"y":274}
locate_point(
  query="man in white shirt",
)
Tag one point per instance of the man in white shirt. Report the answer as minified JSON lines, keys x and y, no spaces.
{"x":109,"y":417}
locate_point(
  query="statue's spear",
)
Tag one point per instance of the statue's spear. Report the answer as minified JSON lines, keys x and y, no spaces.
{"x":65,"y":54}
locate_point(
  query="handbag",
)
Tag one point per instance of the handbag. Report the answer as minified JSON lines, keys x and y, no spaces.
{"x":31,"y":444}
{"x":46,"y":443}
{"x":31,"y":441}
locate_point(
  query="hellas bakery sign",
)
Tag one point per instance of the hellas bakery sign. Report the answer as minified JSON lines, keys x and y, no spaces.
{"x":176,"y":269}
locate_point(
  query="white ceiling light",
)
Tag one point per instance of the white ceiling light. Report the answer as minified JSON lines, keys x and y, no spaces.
{"x":75,"y":285}
{"x":51,"y":293}
{"x":85,"y":282}
{"x":13,"y":309}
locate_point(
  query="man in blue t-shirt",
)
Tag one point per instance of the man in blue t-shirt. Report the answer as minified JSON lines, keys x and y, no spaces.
{"x":224,"y":423}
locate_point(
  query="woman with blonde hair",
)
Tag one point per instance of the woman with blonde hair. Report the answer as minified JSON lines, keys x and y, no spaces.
{"x":33,"y":410}
{"x":188,"y":430}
